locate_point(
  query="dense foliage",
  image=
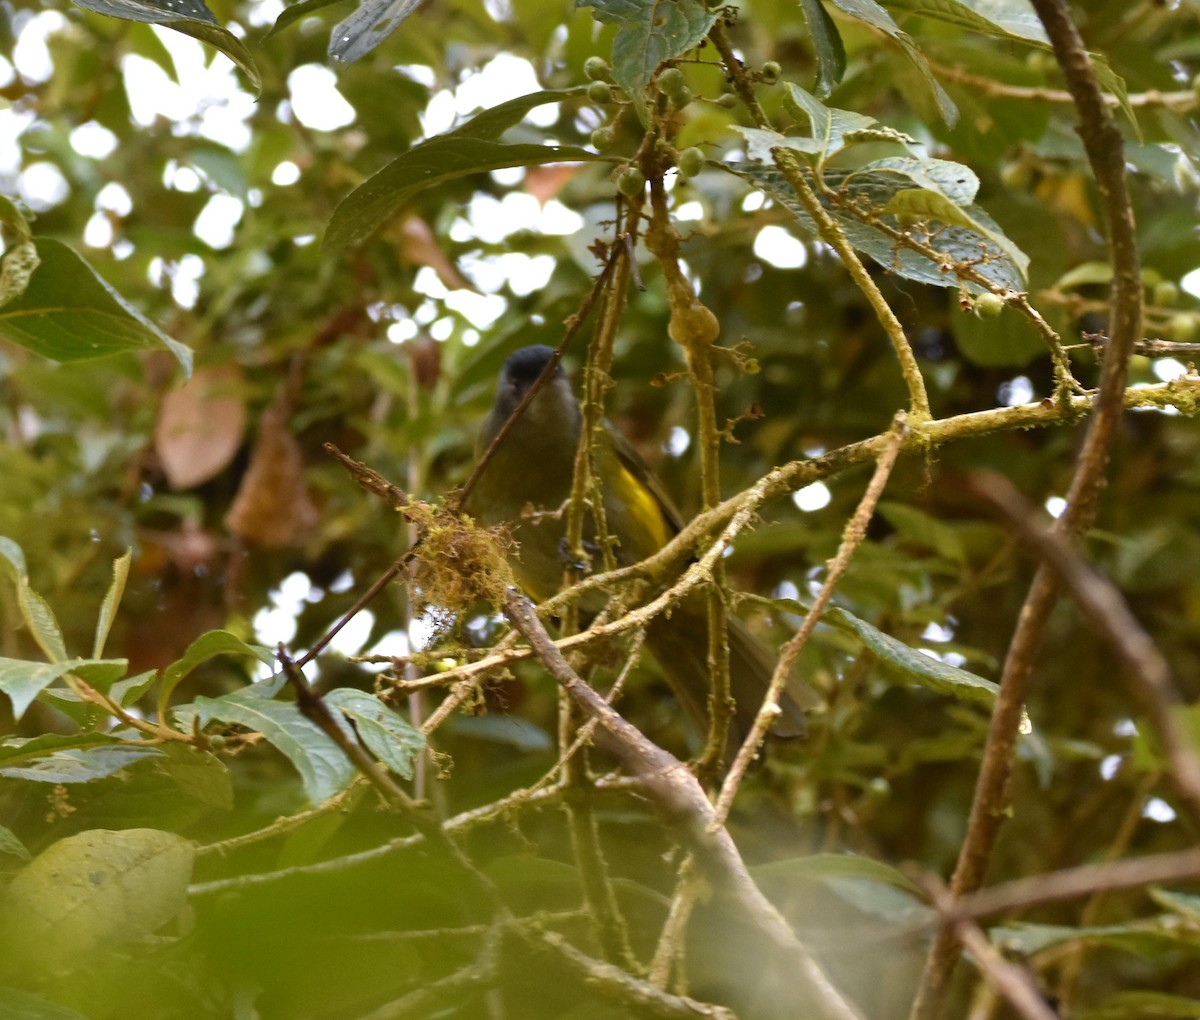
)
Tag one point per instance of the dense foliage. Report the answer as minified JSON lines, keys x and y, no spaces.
{"x":178,"y":829}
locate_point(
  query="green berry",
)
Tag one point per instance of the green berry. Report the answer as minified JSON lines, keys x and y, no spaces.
{"x":602,"y":138}
{"x":727,"y":100}
{"x":681,"y":97}
{"x":771,"y":72}
{"x":631,"y":182}
{"x":600,"y":93}
{"x":691,"y":161}
{"x":1183,"y":327}
{"x":1166,"y":294}
{"x":597,"y":69}
{"x":989,"y":305}
{"x":671,"y":80}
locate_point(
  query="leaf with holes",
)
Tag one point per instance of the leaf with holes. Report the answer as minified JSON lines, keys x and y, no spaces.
{"x":648,"y":33}
{"x":91,"y":892}
{"x":367,"y":27}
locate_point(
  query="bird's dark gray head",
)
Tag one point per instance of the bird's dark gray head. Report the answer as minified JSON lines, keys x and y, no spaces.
{"x":525,"y":365}
{"x":522,"y":370}
{"x":554,"y":407}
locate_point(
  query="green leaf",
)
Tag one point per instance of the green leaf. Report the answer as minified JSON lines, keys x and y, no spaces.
{"x":92,"y":892}
{"x":112,"y":599}
{"x":190,"y":17}
{"x":1142,"y":1006}
{"x":832,"y":129}
{"x":16,"y":270}
{"x":648,"y":33}
{"x":68,"y":313}
{"x":198,"y":774}
{"x":955,"y":181}
{"x":1187,"y":905}
{"x":1004,"y":264}
{"x":919,"y":204}
{"x":18,"y":1005}
{"x":322,"y":766}
{"x":1010,"y":19}
{"x":77,"y":758}
{"x":1136,"y":937}
{"x":14,"y":556}
{"x":9,"y":844}
{"x":367,"y":27}
{"x":995,"y":343}
{"x":827,"y":44}
{"x":371,"y":204}
{"x":869,"y":886}
{"x":388,"y":735}
{"x":1085,"y":274}
{"x":297,"y":12}
{"x":35,"y":610}
{"x":206,"y":646}
{"x":512,"y":730}
{"x":820,"y":867}
{"x":871,"y":13}
{"x":925,"y":529}
{"x":127,"y":692}
{"x":12,"y":218}
{"x":1000,"y":19}
{"x":23,"y":680}
{"x":909,"y":665}
{"x":468,"y":149}
{"x":492,"y":123}
{"x":41,"y":621}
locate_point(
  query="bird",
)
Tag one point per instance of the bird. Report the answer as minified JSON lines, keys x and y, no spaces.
{"x":532,"y":469}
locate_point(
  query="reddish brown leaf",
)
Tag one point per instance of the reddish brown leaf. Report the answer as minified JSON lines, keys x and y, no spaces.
{"x":200,"y":426}
{"x":272,"y":507}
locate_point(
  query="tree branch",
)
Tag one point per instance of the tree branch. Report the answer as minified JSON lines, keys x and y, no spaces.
{"x":1105,"y":152}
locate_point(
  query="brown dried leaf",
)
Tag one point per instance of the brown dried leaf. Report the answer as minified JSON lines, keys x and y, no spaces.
{"x":272,"y":507}
{"x":200,"y":426}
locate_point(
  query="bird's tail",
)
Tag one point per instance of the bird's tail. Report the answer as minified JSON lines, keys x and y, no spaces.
{"x":680,"y":645}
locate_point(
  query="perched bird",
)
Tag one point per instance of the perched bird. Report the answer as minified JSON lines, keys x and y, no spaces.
{"x":533,"y":467}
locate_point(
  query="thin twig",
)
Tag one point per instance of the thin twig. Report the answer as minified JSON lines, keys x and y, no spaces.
{"x":1086,"y":880}
{"x":635,"y":996}
{"x":1180,"y":101}
{"x":463,"y":822}
{"x":852,"y":536}
{"x":374,"y":482}
{"x":1013,"y":982}
{"x":789,"y":162}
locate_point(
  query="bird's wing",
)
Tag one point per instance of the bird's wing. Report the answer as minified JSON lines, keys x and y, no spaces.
{"x":632,"y":461}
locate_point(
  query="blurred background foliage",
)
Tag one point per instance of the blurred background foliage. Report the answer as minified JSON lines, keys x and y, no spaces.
{"x":207,"y":214}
